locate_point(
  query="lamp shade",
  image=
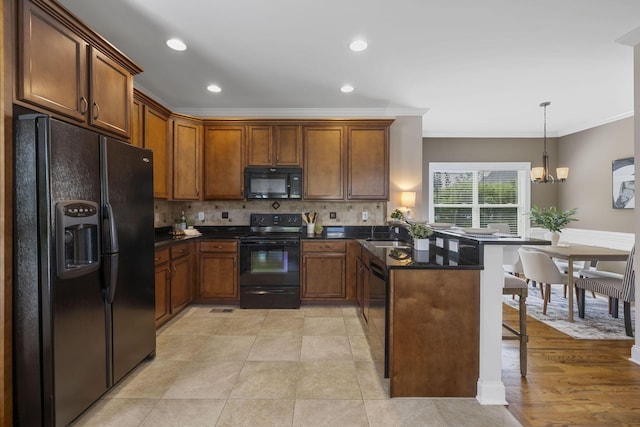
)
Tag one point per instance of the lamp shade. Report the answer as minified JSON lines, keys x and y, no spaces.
{"x":562,"y":173}
{"x":408,"y":199}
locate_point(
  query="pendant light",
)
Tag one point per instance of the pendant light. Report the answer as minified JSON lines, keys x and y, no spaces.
{"x":541,"y":174}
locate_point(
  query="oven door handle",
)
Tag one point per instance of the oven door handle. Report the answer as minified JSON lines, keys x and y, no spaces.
{"x":270,"y":242}
{"x":268,"y":292}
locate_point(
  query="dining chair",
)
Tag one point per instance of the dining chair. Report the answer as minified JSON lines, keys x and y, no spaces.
{"x":516,"y":286}
{"x":540,"y":268}
{"x":615,"y":288}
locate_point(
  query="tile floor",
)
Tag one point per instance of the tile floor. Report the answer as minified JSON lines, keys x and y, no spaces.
{"x":317,"y":366}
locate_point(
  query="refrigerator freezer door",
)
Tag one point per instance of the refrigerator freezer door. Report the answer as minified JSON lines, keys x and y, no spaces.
{"x":59,"y":346}
{"x":128,"y":190}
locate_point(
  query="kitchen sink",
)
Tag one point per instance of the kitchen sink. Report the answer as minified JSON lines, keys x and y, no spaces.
{"x":389,"y":244}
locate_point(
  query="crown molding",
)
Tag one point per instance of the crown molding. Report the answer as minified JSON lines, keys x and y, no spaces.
{"x":302,"y":112}
{"x":632,"y":38}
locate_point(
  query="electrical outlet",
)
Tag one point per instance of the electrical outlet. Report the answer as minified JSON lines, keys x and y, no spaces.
{"x":201,"y":216}
{"x":225,"y":215}
{"x":365,"y":215}
{"x":332,"y":215}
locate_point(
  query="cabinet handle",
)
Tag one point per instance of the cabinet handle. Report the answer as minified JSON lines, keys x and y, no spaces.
{"x":156,"y":259}
{"x":96,"y":111}
{"x":84,"y":105}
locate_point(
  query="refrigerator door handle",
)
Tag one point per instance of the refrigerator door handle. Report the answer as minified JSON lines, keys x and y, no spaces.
{"x":110,"y":272}
{"x":111,"y":242}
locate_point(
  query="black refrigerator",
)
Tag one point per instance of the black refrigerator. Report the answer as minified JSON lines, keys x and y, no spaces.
{"x":84,"y":293}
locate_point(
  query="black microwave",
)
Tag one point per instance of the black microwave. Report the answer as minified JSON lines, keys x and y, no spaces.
{"x":272,"y":183}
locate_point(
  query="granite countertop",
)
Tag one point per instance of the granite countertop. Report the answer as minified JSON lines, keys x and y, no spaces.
{"x":434,"y":258}
{"x":162,"y":236}
{"x":492,"y":239}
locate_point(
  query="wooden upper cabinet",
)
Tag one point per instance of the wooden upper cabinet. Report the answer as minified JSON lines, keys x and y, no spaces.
{"x":67,"y":69}
{"x":368,"y":163}
{"x":278,"y":145}
{"x":156,"y":138}
{"x":288,"y":145}
{"x":323,"y":168}
{"x":223,"y":162}
{"x":111,"y":94}
{"x":53,"y":67}
{"x":186,"y":160}
{"x":137,"y":123}
{"x":260,"y":146}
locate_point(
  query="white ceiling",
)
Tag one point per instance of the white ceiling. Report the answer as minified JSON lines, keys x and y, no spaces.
{"x":472,"y":67}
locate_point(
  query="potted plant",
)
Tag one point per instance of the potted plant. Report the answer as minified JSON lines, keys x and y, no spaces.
{"x":553,"y":220}
{"x":397,"y":215}
{"x":420,"y":233}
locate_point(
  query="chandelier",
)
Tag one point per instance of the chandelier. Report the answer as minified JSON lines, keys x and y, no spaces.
{"x":541,"y":174}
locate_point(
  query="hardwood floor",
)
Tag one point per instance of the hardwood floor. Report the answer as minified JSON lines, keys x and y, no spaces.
{"x":571,"y":382}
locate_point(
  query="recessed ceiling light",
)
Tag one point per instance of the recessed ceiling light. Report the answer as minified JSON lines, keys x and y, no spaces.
{"x":358,"y":45}
{"x":176,"y":44}
{"x":214,"y":88}
{"x":346,"y":88}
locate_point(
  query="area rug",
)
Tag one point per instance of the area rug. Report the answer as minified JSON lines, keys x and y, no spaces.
{"x":597,"y":323}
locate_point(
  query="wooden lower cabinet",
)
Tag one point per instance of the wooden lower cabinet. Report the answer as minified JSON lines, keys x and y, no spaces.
{"x":181,"y":277}
{"x":163,"y":281}
{"x":174,"y":280}
{"x":323,"y":270}
{"x":218,"y":276}
{"x":434,"y":332}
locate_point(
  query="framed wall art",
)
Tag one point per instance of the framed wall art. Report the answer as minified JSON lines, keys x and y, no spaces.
{"x":624,"y":183}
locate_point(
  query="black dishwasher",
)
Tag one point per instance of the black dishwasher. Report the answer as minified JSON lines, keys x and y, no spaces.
{"x":378,"y":305}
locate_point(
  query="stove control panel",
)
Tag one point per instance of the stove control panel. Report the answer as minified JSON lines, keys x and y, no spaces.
{"x":276,"y":220}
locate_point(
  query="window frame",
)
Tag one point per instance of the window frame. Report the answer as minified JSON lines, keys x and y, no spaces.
{"x":524,"y":187}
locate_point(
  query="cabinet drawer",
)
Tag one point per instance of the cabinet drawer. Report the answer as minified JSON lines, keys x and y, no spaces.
{"x":161,"y":256}
{"x":219,"y":246}
{"x":179,"y":251}
{"x":324,"y":246}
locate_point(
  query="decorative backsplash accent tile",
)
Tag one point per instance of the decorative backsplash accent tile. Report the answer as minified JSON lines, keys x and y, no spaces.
{"x":238,"y":212}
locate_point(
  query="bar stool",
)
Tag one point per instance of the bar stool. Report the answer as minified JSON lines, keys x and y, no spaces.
{"x":516,"y":286}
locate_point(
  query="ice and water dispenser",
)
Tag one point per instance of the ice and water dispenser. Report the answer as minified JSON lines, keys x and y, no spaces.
{"x":77,"y":238}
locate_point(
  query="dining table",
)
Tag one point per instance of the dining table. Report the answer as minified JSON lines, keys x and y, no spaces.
{"x":572,"y":252}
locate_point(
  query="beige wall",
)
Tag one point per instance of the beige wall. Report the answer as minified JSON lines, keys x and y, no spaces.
{"x":589,"y":154}
{"x":405,"y":163}
{"x":493,"y":150}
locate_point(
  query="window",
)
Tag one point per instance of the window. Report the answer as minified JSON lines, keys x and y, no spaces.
{"x":477,"y":194}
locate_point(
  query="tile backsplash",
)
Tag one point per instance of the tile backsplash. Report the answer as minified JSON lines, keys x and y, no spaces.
{"x":346,"y":213}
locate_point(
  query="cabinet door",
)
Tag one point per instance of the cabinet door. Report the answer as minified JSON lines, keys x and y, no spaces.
{"x":368,"y":163}
{"x":186,"y":161}
{"x":218,"y":276}
{"x":223,"y":163}
{"x":288,"y":145}
{"x":323,"y":163}
{"x":156,"y":139}
{"x":53,"y":59}
{"x":323,"y":275}
{"x":180,"y":283}
{"x":137,"y":123}
{"x":259,"y":146}
{"x":111,"y":94}
{"x":163,"y":280}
